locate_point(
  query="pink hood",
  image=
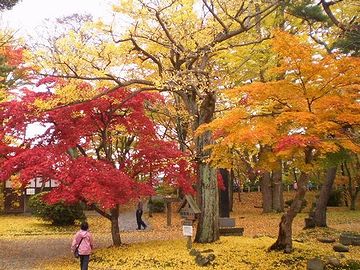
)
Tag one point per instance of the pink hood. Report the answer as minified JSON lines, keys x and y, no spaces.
{"x":86,"y":245}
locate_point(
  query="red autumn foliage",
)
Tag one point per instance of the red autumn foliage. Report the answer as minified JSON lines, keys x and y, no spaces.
{"x":103,"y":151}
{"x":48,"y":80}
{"x":220,"y":181}
{"x":295,"y":141}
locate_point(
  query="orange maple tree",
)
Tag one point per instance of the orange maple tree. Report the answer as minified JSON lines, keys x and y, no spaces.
{"x":309,"y":108}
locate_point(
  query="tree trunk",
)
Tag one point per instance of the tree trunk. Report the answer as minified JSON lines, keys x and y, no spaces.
{"x":320,"y":209}
{"x":113,"y":216}
{"x":277,"y":192}
{"x":284,"y":240}
{"x":353,"y":201}
{"x":115,"y":232}
{"x":231,"y":190}
{"x":2,"y":197}
{"x":208,"y":226}
{"x":149,"y":207}
{"x":181,"y":126}
{"x":265,"y":184}
{"x":352,"y":195}
{"x":224,"y":201}
{"x":207,"y":188}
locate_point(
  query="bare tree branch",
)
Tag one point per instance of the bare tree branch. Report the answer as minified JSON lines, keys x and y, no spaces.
{"x":243,"y":44}
{"x":152,"y":57}
{"x":317,"y":40}
{"x":225,"y":36}
{"x":326,"y":7}
{"x":212,"y":11}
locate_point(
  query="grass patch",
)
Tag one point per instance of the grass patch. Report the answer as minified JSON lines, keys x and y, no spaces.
{"x":23,"y":225}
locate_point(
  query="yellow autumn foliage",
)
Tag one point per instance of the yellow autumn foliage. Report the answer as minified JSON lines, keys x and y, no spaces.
{"x":164,"y":247}
{"x":241,"y":253}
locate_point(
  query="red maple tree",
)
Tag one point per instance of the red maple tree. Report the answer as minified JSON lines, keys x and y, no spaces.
{"x":104,"y":152}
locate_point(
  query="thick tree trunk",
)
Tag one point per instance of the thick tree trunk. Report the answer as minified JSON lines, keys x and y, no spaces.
{"x":224,"y":200}
{"x":320,"y":210}
{"x":266,"y":190}
{"x":271,"y":186}
{"x":181,"y":127}
{"x":113,"y":217}
{"x":208,"y":226}
{"x":115,"y":232}
{"x":277,"y":192}
{"x":207,"y":188}
{"x":284,"y":240}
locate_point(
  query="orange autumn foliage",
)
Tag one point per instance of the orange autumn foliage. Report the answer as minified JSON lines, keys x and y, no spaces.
{"x":313,"y":101}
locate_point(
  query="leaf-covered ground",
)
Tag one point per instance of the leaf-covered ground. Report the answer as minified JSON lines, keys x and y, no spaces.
{"x":231,"y":253}
{"x":27,"y":243}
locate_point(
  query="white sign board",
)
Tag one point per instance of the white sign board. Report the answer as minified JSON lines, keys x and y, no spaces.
{"x":30,"y":191}
{"x":187,"y":230}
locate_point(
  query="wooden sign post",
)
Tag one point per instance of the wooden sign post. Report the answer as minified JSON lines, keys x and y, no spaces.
{"x":168,"y":201}
{"x":188,"y":232}
{"x":188,"y":210}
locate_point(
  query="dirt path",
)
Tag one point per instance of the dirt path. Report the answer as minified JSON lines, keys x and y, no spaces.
{"x":24,"y":253}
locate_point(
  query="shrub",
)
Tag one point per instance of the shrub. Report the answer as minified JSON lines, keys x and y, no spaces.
{"x":335,"y":198}
{"x":156,"y":205}
{"x":58,"y":213}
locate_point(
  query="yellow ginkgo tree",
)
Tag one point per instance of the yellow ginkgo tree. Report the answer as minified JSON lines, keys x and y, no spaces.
{"x":172,"y":46}
{"x":310,"y":108}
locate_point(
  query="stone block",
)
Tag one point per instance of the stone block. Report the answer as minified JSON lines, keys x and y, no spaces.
{"x":231,"y":231}
{"x":225,"y":222}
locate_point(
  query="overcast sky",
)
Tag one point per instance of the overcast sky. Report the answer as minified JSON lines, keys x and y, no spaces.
{"x":28,"y":14}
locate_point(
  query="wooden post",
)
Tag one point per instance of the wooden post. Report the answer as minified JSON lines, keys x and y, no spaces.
{"x":168,"y":214}
{"x":189,"y":242}
{"x":150,"y":207}
{"x":188,"y":210}
{"x":187,"y":232}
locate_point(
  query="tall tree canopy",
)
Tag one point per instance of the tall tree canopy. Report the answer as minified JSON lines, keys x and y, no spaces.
{"x":313,"y":110}
{"x":170,"y":46}
{"x":104,"y":152}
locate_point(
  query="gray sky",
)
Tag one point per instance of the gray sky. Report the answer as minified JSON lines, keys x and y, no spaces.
{"x":28,"y":14}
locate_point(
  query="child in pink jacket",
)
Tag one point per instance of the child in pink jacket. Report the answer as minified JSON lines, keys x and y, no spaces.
{"x":85,"y":239}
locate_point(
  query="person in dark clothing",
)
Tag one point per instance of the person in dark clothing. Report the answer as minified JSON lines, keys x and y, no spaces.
{"x":139,"y":212}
